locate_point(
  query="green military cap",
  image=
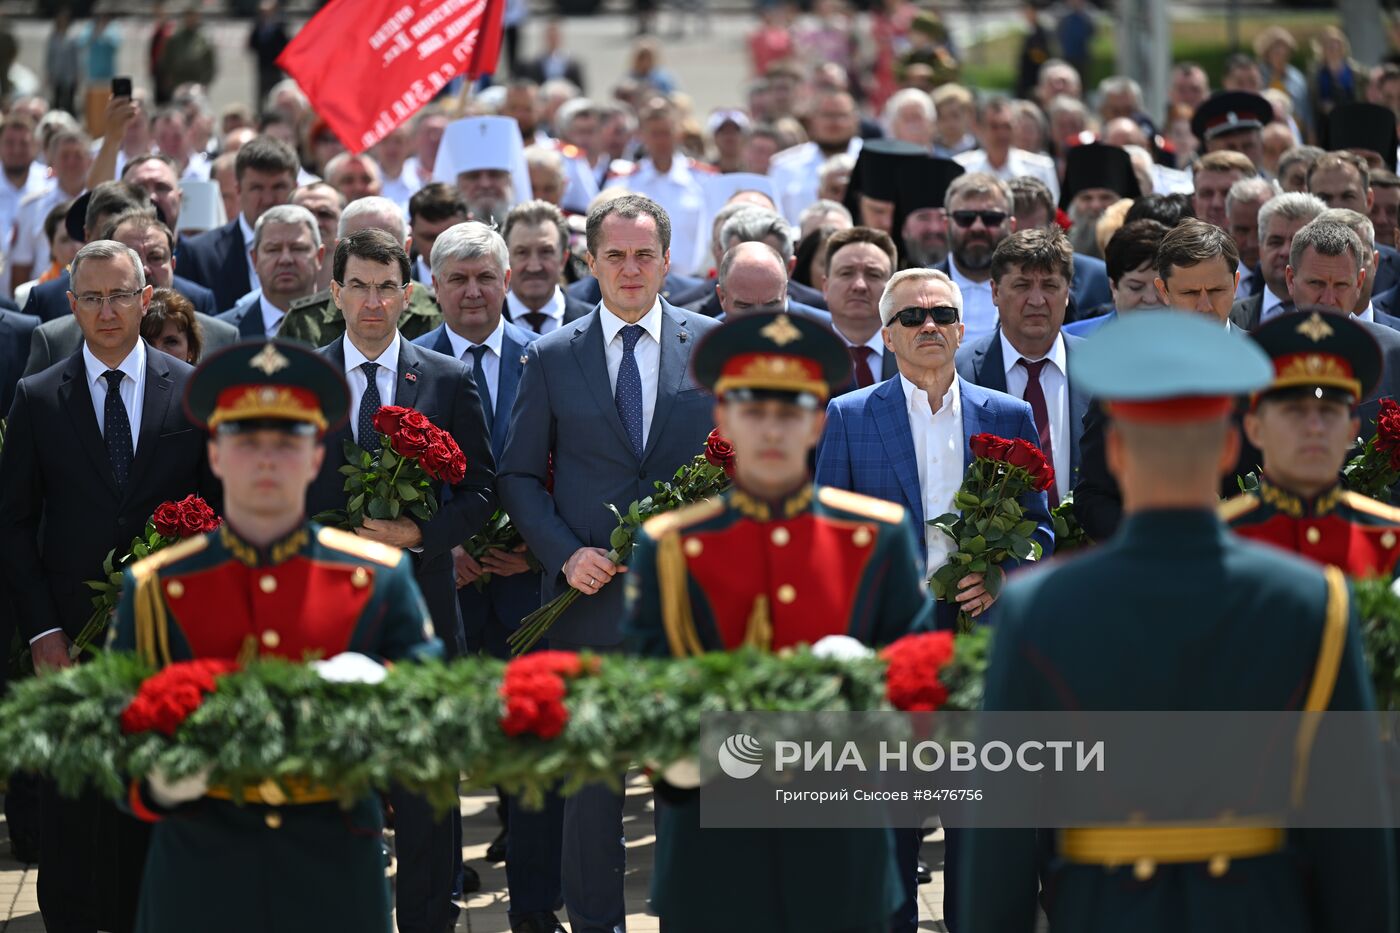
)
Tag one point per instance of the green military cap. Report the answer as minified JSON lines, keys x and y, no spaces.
{"x":273,"y":384}
{"x":1169,"y":366}
{"x":772,"y":355}
{"x":1320,"y":354}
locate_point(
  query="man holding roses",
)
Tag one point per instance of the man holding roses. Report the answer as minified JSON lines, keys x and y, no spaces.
{"x":370,"y":284}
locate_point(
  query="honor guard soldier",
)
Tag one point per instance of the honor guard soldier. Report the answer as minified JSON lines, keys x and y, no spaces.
{"x":1183,"y":616}
{"x":774,"y":562}
{"x":1304,"y":423}
{"x":268,"y":583}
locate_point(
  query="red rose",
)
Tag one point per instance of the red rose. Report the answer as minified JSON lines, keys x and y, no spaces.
{"x":166,"y":699}
{"x":911,"y":681}
{"x":196,"y":517}
{"x":167,"y":519}
{"x":408,"y":442}
{"x":417,"y":420}
{"x":1026,"y":456}
{"x":720,"y":452}
{"x":1388,"y":428}
{"x":443,"y":459}
{"x":1044,"y":477}
{"x":388,"y":418}
{"x":997,"y":448}
{"x":981,"y":445}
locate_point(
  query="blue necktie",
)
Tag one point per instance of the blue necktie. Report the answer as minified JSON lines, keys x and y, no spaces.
{"x":488,"y":407}
{"x":369,"y":406}
{"x":628,"y":395}
{"x":116,"y":427}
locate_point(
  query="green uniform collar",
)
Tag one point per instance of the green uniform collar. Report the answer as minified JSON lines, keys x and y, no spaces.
{"x":763,"y":510}
{"x":1296,"y":506}
{"x":277,"y":552}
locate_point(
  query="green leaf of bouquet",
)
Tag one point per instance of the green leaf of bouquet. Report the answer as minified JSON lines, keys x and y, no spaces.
{"x":966,"y":500}
{"x":1026,"y":528}
{"x":353,"y":454}
{"x":349,"y":470}
{"x":356,"y":502}
{"x":407,"y":491}
{"x":388,"y":459}
{"x":395,"y":508}
{"x":378,"y":508}
{"x":619,"y":538}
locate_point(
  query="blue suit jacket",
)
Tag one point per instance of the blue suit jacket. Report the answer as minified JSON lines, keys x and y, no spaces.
{"x":981,"y":362}
{"x":218,"y":260}
{"x":1386,"y":301}
{"x":868,"y":447}
{"x":1089,"y":288}
{"x":1086,"y":326}
{"x":1387,"y":269}
{"x":15,"y":331}
{"x":443,"y":390}
{"x":48,"y":301}
{"x":246,"y":315}
{"x":507,"y":599}
{"x":565,"y":407}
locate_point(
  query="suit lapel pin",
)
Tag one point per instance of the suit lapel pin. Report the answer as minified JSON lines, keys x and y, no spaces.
{"x":684,"y":336}
{"x":410,"y":377}
{"x":523,"y":358}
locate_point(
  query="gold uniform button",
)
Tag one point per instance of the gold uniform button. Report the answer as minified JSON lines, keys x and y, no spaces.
{"x":271,"y":793}
{"x":1313,"y":535}
{"x":273,"y":819}
{"x":271,"y":639}
{"x":1388,"y":539}
{"x":786,"y":593}
{"x":1144,"y":869}
{"x":780,"y":536}
{"x":1218,"y":866}
{"x":268,"y":583}
{"x":693,"y":547}
{"x":360,"y":578}
{"x":862,"y":536}
{"x":175,"y":589}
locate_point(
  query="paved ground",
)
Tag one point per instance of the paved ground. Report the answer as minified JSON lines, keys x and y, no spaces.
{"x":486,"y":910}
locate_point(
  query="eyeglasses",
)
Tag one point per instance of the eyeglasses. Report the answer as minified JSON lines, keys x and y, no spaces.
{"x":915,"y":316}
{"x":120,"y":301}
{"x":968,"y":218}
{"x":359,"y":291}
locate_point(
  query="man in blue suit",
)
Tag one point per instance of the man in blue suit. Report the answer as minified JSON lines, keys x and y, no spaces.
{"x":612,"y":398}
{"x":906,"y":440}
{"x":752,"y":275}
{"x":369,"y":286}
{"x":265,"y":173}
{"x":287,"y":254}
{"x":471,"y":275}
{"x":1027,"y":355}
{"x":537,"y":236}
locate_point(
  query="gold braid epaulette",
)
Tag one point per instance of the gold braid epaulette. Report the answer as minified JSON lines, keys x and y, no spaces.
{"x":672,"y":577}
{"x":1324,"y":680}
{"x":148,"y":604}
{"x":1237,"y":507}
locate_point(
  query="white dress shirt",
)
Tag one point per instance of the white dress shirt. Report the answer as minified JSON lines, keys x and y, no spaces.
{"x":35,"y":179}
{"x":553,"y":311}
{"x":647,"y":353}
{"x":271,"y":315}
{"x":682,"y":196}
{"x":30,"y":247}
{"x":938,"y":450}
{"x":401,"y":189}
{"x":1368,"y":315}
{"x":1019,"y":162}
{"x":385,"y":377}
{"x":1272,"y":305}
{"x":490,"y":360}
{"x":979,"y":315}
{"x":1054,"y":383}
{"x":243,"y":225}
{"x":1246,"y":276}
{"x":795,"y":176}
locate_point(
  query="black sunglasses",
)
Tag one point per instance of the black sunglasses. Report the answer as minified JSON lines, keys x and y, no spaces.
{"x":914,"y":317}
{"x":989,"y":218}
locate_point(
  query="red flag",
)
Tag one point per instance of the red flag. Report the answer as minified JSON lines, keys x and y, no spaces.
{"x":369,"y":65}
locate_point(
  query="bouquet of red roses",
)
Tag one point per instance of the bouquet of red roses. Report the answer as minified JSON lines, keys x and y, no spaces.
{"x":398,"y":480}
{"x":170,"y":522}
{"x":991,"y":525}
{"x":706,"y":475}
{"x":1373,"y":471}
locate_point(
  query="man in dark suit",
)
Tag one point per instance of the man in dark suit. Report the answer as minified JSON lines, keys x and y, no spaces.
{"x":537,"y":241}
{"x":612,"y":398}
{"x":471,"y":275}
{"x":93,"y":446}
{"x":859,"y":261}
{"x":753,"y":276}
{"x":371,"y":275}
{"x":554,"y":63}
{"x":287,"y":253}
{"x":15,"y":331}
{"x":1280,"y":218}
{"x":1343,"y":179}
{"x":674,"y":285}
{"x":1027,"y":355}
{"x":265,"y":173}
{"x":747,"y":222}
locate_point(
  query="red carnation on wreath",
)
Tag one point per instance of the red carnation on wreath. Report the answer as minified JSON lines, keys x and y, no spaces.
{"x":533,"y":689}
{"x":911,"y":680}
{"x":167,"y":698}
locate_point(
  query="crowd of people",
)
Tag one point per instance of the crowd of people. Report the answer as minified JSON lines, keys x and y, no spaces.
{"x":535,"y":268}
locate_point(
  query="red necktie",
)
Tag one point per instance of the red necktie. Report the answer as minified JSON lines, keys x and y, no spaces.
{"x":1035,"y":397}
{"x":860,"y":365}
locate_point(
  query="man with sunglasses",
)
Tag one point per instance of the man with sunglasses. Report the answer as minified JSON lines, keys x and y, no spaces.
{"x":95,"y":443}
{"x":979,"y":214}
{"x":370,"y":285}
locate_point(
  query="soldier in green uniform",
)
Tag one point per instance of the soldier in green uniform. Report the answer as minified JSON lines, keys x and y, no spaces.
{"x":286,"y":857}
{"x":1175,"y":613}
{"x":773,"y":563}
{"x":1304,"y":424}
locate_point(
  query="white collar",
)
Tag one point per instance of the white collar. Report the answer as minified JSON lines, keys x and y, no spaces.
{"x":679,"y":171}
{"x":554,"y":307}
{"x":1270,"y":300}
{"x":962,"y":281}
{"x":270,"y":312}
{"x":1368,"y":315}
{"x":134,"y":365}
{"x":612,"y":324}
{"x":916,"y":399}
{"x":876,"y":341}
{"x":493,"y":341}
{"x":389,"y":359}
{"x":247,"y":229}
{"x":1010,"y":355}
